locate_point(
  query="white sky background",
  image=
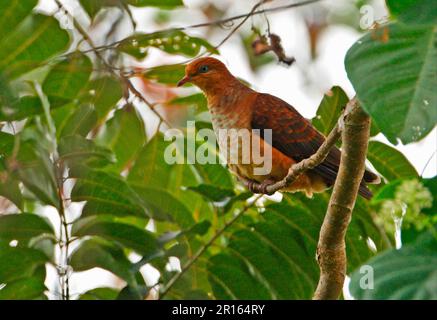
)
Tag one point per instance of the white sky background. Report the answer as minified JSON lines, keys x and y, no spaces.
{"x":302,"y":85}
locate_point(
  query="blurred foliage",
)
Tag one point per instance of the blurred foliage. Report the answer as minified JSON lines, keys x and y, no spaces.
{"x":73,"y":133}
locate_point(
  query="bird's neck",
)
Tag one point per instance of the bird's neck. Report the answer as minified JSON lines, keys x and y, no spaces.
{"x":230,"y":104}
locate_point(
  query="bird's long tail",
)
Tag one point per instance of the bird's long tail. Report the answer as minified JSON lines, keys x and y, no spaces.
{"x":371,"y":178}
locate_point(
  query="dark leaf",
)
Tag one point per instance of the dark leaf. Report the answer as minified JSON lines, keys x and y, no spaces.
{"x":392,"y":70}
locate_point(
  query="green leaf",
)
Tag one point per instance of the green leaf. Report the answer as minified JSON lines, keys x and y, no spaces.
{"x":23,"y":227}
{"x":163,"y":206}
{"x":196,"y":100}
{"x":103,"y":93}
{"x":387,"y":192}
{"x":105,"y":293}
{"x":78,"y":151}
{"x":24,"y":289}
{"x":150,"y":168}
{"x":405,"y":274}
{"x":231,"y":278}
{"x":12,"y":12}
{"x":80,"y":122}
{"x":92,"y":7}
{"x":18,"y":263}
{"x":9,"y":186}
{"x":389,"y":162}
{"x":139,"y":240}
{"x":330,"y":110}
{"x":213,"y":193}
{"x":173,"y":42}
{"x":35,"y":170}
{"x":166,"y":74}
{"x":105,"y":194}
{"x":67,"y":78}
{"x":21,"y":108}
{"x":431,"y":184}
{"x":36,"y":39}
{"x":393,"y":72}
{"x":414,"y":11}
{"x":125,"y":135}
{"x":98,"y":253}
{"x":163,"y":4}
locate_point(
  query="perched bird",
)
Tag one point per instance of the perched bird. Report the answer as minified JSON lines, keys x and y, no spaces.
{"x":233,"y":105}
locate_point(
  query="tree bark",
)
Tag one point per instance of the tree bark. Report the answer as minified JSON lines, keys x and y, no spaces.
{"x":331,"y":249}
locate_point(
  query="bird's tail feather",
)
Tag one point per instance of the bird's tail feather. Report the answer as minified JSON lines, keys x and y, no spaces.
{"x":364,"y":191}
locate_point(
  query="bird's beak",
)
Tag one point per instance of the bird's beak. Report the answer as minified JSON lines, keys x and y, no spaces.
{"x":183,"y":81}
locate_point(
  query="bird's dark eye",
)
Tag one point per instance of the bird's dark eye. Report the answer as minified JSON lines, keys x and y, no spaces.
{"x":203,"y":69}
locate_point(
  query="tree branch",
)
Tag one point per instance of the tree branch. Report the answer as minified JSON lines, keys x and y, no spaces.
{"x":331,"y":249}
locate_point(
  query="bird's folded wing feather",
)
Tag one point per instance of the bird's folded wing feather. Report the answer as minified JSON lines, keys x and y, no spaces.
{"x":292,"y":134}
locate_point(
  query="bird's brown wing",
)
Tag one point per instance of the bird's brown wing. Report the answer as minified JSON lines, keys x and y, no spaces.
{"x":292,"y":134}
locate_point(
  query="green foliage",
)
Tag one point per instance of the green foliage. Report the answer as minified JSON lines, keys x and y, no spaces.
{"x":414,"y":11}
{"x":330,"y":109}
{"x":35,"y":39}
{"x":173,"y":42}
{"x":392,"y":69}
{"x":389,"y":162}
{"x":408,"y":273}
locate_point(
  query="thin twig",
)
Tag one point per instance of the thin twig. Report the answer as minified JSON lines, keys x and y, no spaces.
{"x":203,"y":249}
{"x":217,"y":22}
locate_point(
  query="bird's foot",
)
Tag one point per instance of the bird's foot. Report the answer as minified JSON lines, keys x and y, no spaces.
{"x":257,"y":187}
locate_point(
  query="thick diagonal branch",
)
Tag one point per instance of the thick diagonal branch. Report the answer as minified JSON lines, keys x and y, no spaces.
{"x":331,"y":249}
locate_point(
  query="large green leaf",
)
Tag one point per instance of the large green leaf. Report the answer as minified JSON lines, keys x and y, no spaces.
{"x":197,"y":100}
{"x":389,"y":162}
{"x":9,"y":186}
{"x":98,"y":253}
{"x":162,"y":205}
{"x":407,"y":273}
{"x":80,"y":122}
{"x":24,"y":289}
{"x":213,"y":193}
{"x":67,"y":78}
{"x":125,"y":135}
{"x":104,"y":293}
{"x":36,"y":39}
{"x":105,"y":193}
{"x":23,"y":227}
{"x":78,"y":151}
{"x":167,"y":74}
{"x":414,"y":11}
{"x":140,"y":240}
{"x":330,"y":109}
{"x":393,"y":70}
{"x":103,"y":93}
{"x":21,"y":108}
{"x":32,"y":165}
{"x":18,"y":263}
{"x":173,"y":42}
{"x":12,"y":12}
{"x":150,"y":168}
{"x":164,"y":4}
{"x":92,"y":7}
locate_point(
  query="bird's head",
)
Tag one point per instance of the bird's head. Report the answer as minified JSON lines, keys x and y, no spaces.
{"x":206,"y":73}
